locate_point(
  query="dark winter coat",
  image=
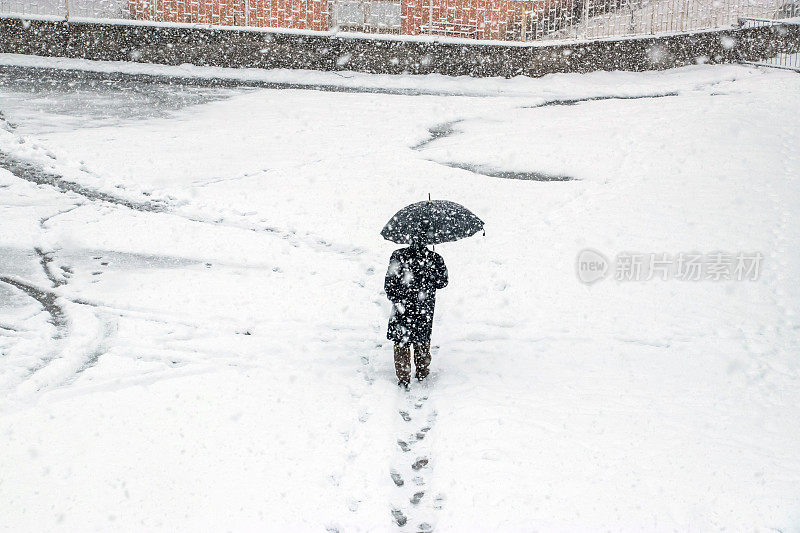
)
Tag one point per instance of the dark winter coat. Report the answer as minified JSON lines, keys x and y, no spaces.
{"x":412,"y":279}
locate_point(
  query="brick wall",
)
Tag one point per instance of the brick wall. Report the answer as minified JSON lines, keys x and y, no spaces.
{"x":489,"y":17}
{"x":298,"y":14}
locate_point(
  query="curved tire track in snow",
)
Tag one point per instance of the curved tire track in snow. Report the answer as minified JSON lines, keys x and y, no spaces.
{"x":80,"y":340}
{"x":447,"y":129}
{"x":35,"y":173}
{"x":58,"y":317}
{"x":47,"y":300}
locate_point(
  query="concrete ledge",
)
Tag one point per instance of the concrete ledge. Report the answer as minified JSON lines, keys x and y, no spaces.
{"x":100,"y":40}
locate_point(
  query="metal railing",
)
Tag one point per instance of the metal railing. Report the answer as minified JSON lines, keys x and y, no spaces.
{"x":508,"y":20}
{"x":612,"y":18}
{"x":106,"y":9}
{"x":783,"y":52}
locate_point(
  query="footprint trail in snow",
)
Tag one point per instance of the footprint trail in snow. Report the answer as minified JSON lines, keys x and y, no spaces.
{"x":413,"y":502}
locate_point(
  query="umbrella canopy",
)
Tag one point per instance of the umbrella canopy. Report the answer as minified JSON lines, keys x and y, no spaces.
{"x":432,"y":222}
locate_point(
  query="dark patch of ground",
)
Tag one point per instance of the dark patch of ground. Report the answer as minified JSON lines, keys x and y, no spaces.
{"x":97,"y":99}
{"x":438,"y":131}
{"x":508,"y":174}
{"x":575,"y":101}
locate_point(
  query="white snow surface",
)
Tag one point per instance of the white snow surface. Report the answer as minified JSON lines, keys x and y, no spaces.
{"x":221,"y":364}
{"x":539,"y":90}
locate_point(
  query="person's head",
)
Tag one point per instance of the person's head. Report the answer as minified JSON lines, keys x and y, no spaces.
{"x":424,"y":236}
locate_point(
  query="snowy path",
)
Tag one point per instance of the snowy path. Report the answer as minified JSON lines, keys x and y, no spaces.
{"x":192,"y":323}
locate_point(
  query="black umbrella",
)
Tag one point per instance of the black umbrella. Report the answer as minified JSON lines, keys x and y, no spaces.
{"x":433,"y":222}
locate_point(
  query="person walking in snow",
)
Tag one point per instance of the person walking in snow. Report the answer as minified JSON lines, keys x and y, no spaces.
{"x":414,"y":275}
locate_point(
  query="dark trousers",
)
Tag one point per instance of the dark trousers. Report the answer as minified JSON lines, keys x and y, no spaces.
{"x":402,"y":360}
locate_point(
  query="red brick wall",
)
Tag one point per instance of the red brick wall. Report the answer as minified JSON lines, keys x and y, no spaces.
{"x":490,"y":17}
{"x":298,"y":14}
{"x":222,"y":12}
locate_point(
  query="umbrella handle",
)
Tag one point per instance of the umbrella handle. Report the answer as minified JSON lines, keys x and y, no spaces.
{"x":433,"y":246}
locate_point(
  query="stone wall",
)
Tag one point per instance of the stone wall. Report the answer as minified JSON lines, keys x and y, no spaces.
{"x":178,"y":44}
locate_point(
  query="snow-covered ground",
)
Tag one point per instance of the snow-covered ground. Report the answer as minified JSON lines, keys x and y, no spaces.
{"x":192,"y":321}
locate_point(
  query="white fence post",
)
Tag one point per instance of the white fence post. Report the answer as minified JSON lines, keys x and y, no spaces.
{"x":430,"y":17}
{"x":585,"y":18}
